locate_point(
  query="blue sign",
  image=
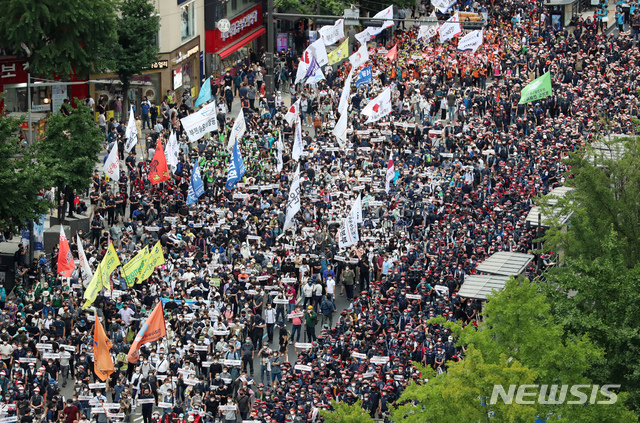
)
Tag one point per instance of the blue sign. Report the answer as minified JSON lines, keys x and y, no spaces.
{"x":236,"y":168}
{"x":196,"y":187}
{"x":365,"y":77}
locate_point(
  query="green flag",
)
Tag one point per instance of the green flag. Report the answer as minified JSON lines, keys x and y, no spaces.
{"x":538,"y":88}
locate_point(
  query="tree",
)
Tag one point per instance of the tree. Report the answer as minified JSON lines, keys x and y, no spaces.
{"x":69,"y":150}
{"x":345,"y":413}
{"x":136,"y":48}
{"x":61,"y":37}
{"x":21,"y":179}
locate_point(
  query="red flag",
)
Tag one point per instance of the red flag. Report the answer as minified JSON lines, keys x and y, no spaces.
{"x":158,"y":170}
{"x":153,"y":329}
{"x":393,"y":53}
{"x":65,"y":259}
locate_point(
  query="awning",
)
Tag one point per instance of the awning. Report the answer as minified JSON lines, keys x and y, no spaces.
{"x":239,"y":44}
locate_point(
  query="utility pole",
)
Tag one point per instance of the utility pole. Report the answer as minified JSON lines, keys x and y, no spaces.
{"x":269,"y":62}
{"x":29,"y":134}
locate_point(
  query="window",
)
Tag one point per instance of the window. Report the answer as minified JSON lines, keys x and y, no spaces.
{"x":188,"y":21}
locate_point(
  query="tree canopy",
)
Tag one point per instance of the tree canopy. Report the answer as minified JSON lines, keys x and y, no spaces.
{"x":61,"y":37}
{"x":345,"y":413}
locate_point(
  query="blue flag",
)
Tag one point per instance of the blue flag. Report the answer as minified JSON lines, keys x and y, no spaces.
{"x":196,"y":187}
{"x":236,"y":168}
{"x":365,"y":77}
{"x":205,"y":93}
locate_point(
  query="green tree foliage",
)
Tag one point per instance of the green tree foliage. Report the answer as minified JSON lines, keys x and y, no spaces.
{"x":62,"y":36}
{"x":136,"y":47}
{"x":69,"y":149}
{"x":519,"y":342}
{"x":345,"y":413}
{"x":21,"y":179}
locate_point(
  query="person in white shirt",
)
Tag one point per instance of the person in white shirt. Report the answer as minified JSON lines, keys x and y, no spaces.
{"x":331,"y":286}
{"x":270,"y":318}
{"x":162,"y":366}
{"x":126,"y":313}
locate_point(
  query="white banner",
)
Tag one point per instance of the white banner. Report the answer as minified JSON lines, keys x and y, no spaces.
{"x":279,"y":146}
{"x":471,"y":42}
{"x":238,"y":130}
{"x":293,"y":112}
{"x":131,"y":133}
{"x":111,"y":166}
{"x":199,"y":123}
{"x":293,"y":202}
{"x":319,"y":51}
{"x":333,"y":33}
{"x":443,"y":5}
{"x":297,"y":141}
{"x":172,"y":150}
{"x":379,"y":107}
{"x":360,"y":57}
{"x":344,"y":97}
{"x":450,"y":29}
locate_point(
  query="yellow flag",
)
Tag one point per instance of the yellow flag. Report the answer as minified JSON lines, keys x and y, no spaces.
{"x":100,"y":279}
{"x":133,"y":267}
{"x":94,"y":287}
{"x":339,"y":54}
{"x":154,"y":259}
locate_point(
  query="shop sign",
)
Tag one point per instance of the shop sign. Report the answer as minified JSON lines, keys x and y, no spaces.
{"x":189,"y":53}
{"x":13,"y":71}
{"x":160,"y":64}
{"x":240,"y":26}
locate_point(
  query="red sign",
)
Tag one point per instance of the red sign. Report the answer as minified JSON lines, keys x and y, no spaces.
{"x":12,"y":71}
{"x":241,"y":26}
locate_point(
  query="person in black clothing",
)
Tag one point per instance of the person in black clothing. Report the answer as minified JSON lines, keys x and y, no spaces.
{"x":147,"y":408}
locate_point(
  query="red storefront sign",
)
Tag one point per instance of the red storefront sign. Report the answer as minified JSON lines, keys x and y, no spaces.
{"x":241,"y":26}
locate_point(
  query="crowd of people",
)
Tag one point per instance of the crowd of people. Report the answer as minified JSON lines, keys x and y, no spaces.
{"x":272,"y":326}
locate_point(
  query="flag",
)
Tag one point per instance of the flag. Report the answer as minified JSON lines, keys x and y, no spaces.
{"x":360,"y":57}
{"x":158,"y":171}
{"x":303,"y":65}
{"x":172,"y":152}
{"x":450,"y":29}
{"x":385,"y":14}
{"x":357,"y":208}
{"x":391,"y":173}
{"x":340,"y":130}
{"x":196,"y":187}
{"x":293,"y":201}
{"x":318,"y":50}
{"x":319,"y":76}
{"x":471,"y":42}
{"x":373,"y":31}
{"x":379,"y":107}
{"x":313,"y":68}
{"x":201,"y":122}
{"x":365,"y":77}
{"x":363,"y":36}
{"x":100,"y":279}
{"x":293,"y":112}
{"x":343,"y":105}
{"x":84,"y":263}
{"x":331,"y":34}
{"x":236,"y":168}
{"x":297,"y":141}
{"x":65,"y":259}
{"x":205,"y":93}
{"x":238,"y":130}
{"x":154,"y":259}
{"x":102,"y":361}
{"x":111,"y":166}
{"x":427,"y":31}
{"x":133,"y":267}
{"x":443,"y":5}
{"x":279,"y":145}
{"x":348,"y":232}
{"x":340,"y":53}
{"x":131,"y":133}
{"x":153,"y":329}
{"x":537,"y":89}
{"x":393,"y":53}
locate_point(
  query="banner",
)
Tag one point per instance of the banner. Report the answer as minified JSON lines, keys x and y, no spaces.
{"x":318,"y":50}
{"x":65,"y":259}
{"x":471,"y":42}
{"x":293,"y":112}
{"x":313,"y":68}
{"x":538,"y":89}
{"x":443,"y":5}
{"x":343,"y":105}
{"x":199,"y":123}
{"x":236,"y":168}
{"x":293,"y":201}
{"x":339,"y":54}
{"x":205,"y":93}
{"x":279,"y":146}
{"x":133,"y":267}
{"x":357,"y":209}
{"x":379,"y":107}
{"x":331,"y":34}
{"x":38,"y":234}
{"x":450,"y":29}
{"x":340,"y":130}
{"x":196,"y":187}
{"x":158,"y":170}
{"x":87,"y":273}
{"x":393,"y":53}
{"x":365,"y":77}
{"x":238,"y":130}
{"x":297,"y":141}
{"x":100,"y":279}
{"x":391,"y":173}
{"x":154,"y":259}
{"x":360,"y":57}
{"x":102,"y":361}
{"x":427,"y":32}
{"x":111,"y":165}
{"x":173,"y":151}
{"x":131,"y":133}
{"x":153,"y":329}
{"x":348,"y":232}
{"x":363,"y":37}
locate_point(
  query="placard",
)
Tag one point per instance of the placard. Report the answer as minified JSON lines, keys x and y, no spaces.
{"x":227,"y":408}
{"x":358,"y":355}
{"x":232,"y":362}
{"x":303,"y":368}
{"x":52,"y":356}
{"x":98,"y":410}
{"x":303,"y":346}
{"x":280,"y":300}
{"x":293,"y":315}
{"x":165,"y":405}
{"x":28,"y":360}
{"x":413,"y":296}
{"x":146,"y":401}
{"x":376,"y":359}
{"x":221,"y":332}
{"x":44,"y":346}
{"x":98,"y":385}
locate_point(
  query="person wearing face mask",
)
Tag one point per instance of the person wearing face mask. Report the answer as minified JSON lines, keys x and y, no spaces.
{"x":5,"y":353}
{"x":248,"y":352}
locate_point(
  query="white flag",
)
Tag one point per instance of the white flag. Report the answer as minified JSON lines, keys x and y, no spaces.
{"x":363,"y":37}
{"x":112,"y":164}
{"x":279,"y":146}
{"x":346,"y":93}
{"x":199,"y":123}
{"x":318,"y":50}
{"x":443,"y":5}
{"x":340,"y":130}
{"x":84,"y":264}
{"x":428,"y":31}
{"x":357,"y":208}
{"x":348,"y":232}
{"x":450,"y":29}
{"x":303,"y":67}
{"x":373,"y":31}
{"x":360,"y":57}
{"x":331,"y":34}
{"x":238,"y":130}
{"x":319,"y":76}
{"x":379,"y":107}
{"x":293,"y":201}
{"x":471,"y":42}
{"x":172,"y":150}
{"x":385,"y":14}
{"x":293,"y":112}
{"x":297,"y":141}
{"x":391,"y":173}
{"x":131,"y":133}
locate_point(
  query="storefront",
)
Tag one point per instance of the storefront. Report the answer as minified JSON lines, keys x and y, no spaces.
{"x":184,"y":64}
{"x":561,"y":12}
{"x":226,"y":50}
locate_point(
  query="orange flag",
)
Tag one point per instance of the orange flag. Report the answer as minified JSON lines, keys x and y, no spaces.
{"x":393,"y":53}
{"x":102,"y":361}
{"x":158,"y":170}
{"x":152,"y":330}
{"x":65,"y":259}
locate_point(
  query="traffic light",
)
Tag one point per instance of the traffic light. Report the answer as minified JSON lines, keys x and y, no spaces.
{"x":374,"y":24}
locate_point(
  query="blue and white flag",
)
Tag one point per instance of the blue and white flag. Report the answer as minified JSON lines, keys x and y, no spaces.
{"x":365,"y":77}
{"x":205,"y":93}
{"x":313,"y":68}
{"x":196,"y":187}
{"x":236,"y":168}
